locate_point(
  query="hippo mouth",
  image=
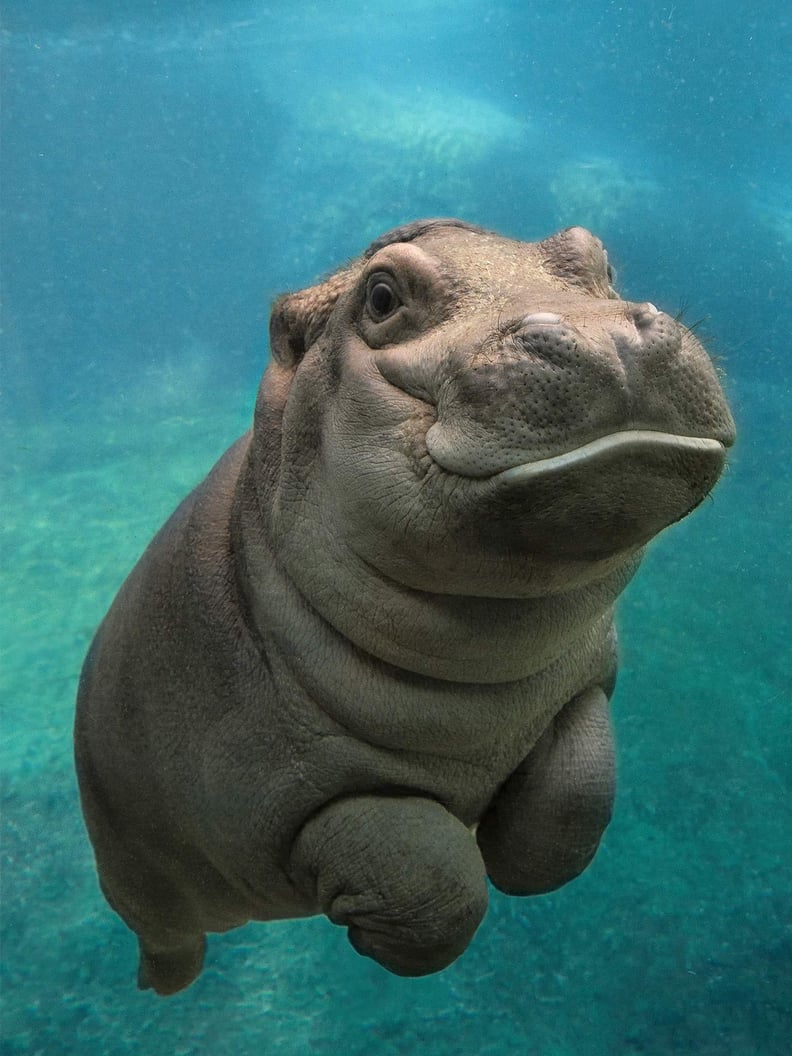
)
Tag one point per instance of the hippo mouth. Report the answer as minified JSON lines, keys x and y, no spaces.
{"x":610,"y":494}
{"x":604,"y":448}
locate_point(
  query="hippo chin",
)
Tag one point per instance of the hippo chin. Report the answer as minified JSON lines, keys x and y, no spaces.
{"x":366,"y":664}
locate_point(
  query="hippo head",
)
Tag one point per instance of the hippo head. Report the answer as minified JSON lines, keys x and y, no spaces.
{"x":466,"y":414}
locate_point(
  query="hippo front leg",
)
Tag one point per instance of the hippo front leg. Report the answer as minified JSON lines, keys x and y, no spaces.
{"x":544,"y":825}
{"x":401,"y":873}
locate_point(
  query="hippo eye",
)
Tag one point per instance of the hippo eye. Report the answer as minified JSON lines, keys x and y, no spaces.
{"x":382,"y":298}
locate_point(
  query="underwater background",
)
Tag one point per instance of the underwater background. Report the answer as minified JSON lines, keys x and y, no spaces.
{"x":166,"y":169}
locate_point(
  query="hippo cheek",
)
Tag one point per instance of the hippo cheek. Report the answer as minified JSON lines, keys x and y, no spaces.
{"x":610,"y":495}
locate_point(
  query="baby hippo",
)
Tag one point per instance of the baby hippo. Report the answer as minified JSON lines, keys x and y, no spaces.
{"x":366,"y":664}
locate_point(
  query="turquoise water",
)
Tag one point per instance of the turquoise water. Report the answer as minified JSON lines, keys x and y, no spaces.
{"x":167,"y":168}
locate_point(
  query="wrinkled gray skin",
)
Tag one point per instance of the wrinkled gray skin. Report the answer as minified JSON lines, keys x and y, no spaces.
{"x":367,"y":662}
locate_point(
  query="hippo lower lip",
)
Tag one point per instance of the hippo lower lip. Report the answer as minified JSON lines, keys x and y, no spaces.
{"x":631,"y":441}
{"x":611,"y":494}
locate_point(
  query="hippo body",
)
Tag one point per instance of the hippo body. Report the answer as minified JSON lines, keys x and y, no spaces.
{"x":366,"y":664}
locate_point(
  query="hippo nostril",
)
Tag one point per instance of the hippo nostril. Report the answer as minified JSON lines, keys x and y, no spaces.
{"x":539,"y":318}
{"x":645,"y":314}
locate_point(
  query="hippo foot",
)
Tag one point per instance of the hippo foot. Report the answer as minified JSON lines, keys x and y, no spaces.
{"x":401,"y":873}
{"x":545,"y":823}
{"x":168,"y":971}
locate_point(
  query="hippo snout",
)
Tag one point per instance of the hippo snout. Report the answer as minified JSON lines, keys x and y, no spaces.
{"x":548,"y":384}
{"x":614,"y":404}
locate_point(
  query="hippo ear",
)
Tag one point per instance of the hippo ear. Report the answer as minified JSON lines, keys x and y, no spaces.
{"x":579,"y":258}
{"x":299,"y":319}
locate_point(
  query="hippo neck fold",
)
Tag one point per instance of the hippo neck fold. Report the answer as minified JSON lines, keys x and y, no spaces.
{"x":441,"y":636}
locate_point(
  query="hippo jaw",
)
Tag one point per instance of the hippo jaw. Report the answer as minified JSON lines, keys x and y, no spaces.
{"x":609,"y":495}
